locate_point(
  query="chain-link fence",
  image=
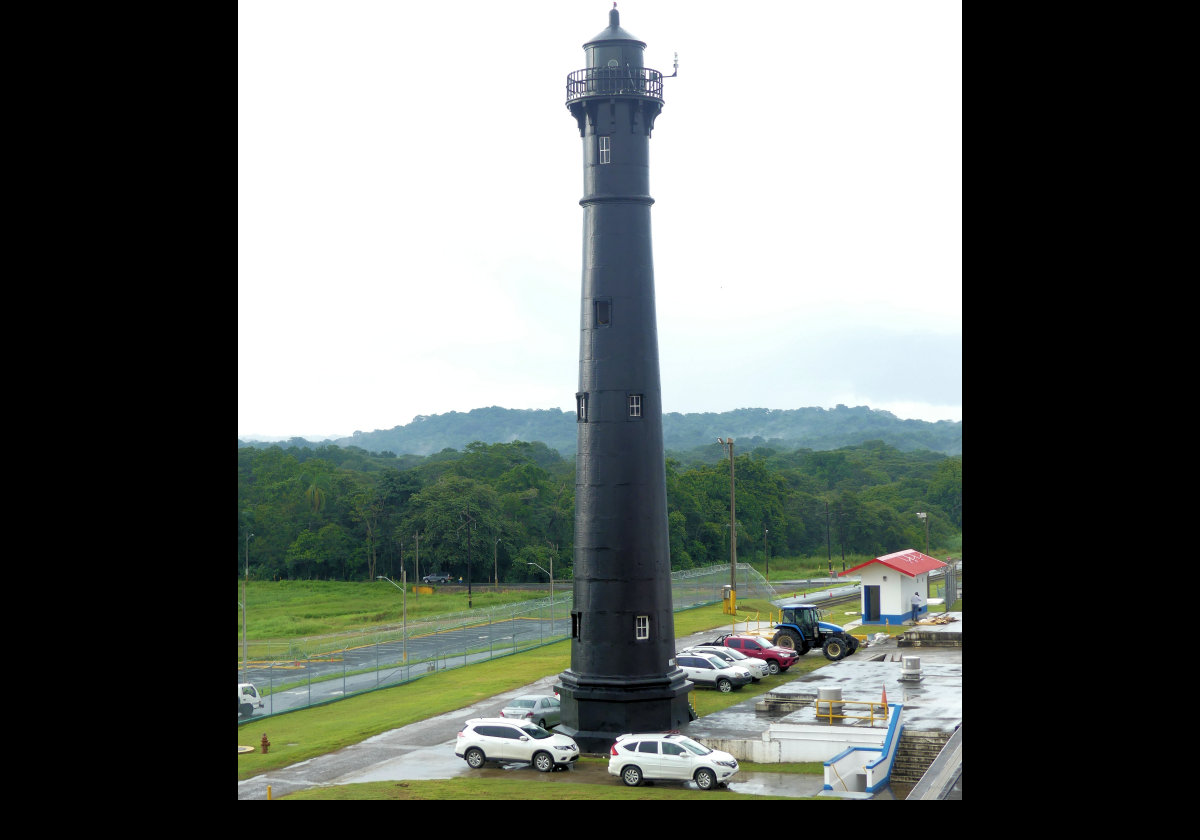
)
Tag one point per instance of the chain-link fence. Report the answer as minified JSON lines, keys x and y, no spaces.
{"x":308,"y":672}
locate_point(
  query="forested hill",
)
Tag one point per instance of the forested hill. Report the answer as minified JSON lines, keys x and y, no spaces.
{"x":800,"y":428}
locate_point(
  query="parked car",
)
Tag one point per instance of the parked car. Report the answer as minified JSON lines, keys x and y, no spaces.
{"x":542,"y":709}
{"x":757,"y":667}
{"x":636,"y":758}
{"x":778,"y":659}
{"x":704,"y":669}
{"x":499,"y":739}
{"x":436,"y":577}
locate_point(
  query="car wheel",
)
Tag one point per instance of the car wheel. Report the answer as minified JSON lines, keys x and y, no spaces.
{"x":632,"y":775}
{"x":705,"y":779}
{"x":543,"y":762}
{"x":245,"y":710}
{"x":724,"y":685}
{"x":773,"y":667}
{"x":542,"y":723}
{"x":474,"y":758}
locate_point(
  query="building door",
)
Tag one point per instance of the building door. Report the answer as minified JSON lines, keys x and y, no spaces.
{"x":871,"y":604}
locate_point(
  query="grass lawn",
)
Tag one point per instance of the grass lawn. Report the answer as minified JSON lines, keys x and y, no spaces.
{"x":307,"y":733}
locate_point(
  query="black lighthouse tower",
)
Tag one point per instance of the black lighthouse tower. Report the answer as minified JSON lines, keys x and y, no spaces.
{"x":623,"y":676}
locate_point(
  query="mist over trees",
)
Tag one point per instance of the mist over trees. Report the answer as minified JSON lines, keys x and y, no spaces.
{"x":683,"y":434}
{"x":334,"y":512}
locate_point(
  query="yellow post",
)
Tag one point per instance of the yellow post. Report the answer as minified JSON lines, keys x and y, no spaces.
{"x":268,"y":792}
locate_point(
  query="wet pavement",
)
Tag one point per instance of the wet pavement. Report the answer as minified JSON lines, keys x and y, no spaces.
{"x":425,"y":750}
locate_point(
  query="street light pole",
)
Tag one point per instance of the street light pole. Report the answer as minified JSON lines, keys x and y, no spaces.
{"x":403,"y":604}
{"x":731,"y":607}
{"x":925,"y":516}
{"x":551,"y":573}
{"x":767,"y":552}
{"x":244,"y":581}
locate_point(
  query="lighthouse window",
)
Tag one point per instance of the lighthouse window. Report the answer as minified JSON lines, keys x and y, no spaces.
{"x":581,"y":408}
{"x":635,"y":405}
{"x":605,"y":149}
{"x":641,"y":626}
{"x":603,"y":312}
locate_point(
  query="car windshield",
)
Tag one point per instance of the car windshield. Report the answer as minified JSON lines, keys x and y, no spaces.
{"x":717,"y":661}
{"x":736,"y":654}
{"x":535,"y":731}
{"x":693,"y":746}
{"x":522,"y":703}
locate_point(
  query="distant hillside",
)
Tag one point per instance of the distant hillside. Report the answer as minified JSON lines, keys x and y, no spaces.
{"x":799,"y":428}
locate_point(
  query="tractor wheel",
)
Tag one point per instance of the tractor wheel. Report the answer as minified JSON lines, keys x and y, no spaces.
{"x":835,"y":649}
{"x":851,"y":645}
{"x":784,"y":639}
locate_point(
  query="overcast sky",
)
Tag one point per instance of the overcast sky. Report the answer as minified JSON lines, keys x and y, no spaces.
{"x":410,"y":235}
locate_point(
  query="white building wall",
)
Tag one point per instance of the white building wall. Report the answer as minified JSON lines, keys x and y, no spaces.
{"x":895,"y":591}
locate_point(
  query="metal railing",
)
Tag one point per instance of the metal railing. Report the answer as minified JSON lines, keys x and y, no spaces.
{"x":614,"y":81}
{"x":871,"y":715}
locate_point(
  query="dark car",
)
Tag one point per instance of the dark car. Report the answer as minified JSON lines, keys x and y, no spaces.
{"x":437,"y":577}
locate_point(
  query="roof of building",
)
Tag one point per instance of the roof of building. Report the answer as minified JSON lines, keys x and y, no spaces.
{"x":909,"y":561}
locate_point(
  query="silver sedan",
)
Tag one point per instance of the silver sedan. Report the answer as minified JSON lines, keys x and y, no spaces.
{"x":542,"y":709}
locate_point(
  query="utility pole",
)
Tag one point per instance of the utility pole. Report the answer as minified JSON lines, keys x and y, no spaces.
{"x":496,"y":564}
{"x":828,"y":548}
{"x":245,"y":580}
{"x":731,"y":605}
{"x":417,"y":564}
{"x":468,"y":523}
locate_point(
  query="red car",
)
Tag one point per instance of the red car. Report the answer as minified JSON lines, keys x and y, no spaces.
{"x":778,"y":659}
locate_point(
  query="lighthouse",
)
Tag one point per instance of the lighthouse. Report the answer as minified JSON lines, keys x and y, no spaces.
{"x":623,"y":676}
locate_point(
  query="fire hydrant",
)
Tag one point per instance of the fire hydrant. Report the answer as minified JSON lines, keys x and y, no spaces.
{"x":266,"y":745}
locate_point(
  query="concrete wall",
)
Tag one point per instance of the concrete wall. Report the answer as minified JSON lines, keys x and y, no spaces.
{"x":866,"y":769}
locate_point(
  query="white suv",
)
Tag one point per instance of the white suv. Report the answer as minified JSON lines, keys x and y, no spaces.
{"x":757,"y":667}
{"x":500,"y":739}
{"x":669,"y":756}
{"x":706,"y":669}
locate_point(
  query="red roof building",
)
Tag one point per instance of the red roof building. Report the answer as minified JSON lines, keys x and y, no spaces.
{"x":886,"y":596}
{"x":910,"y":561}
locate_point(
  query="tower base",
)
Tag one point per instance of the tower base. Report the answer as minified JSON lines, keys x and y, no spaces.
{"x":594,"y":714}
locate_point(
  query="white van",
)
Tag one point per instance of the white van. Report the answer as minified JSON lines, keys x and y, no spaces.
{"x":248,"y":700}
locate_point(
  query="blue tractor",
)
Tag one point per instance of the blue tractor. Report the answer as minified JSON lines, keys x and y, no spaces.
{"x":800,"y":628}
